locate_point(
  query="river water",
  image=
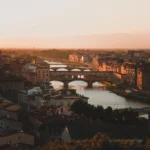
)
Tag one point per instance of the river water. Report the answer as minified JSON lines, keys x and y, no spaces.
{"x":98,"y":95}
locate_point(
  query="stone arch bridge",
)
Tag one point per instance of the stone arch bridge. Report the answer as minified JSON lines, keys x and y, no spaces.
{"x":88,"y":76}
{"x":69,"y":69}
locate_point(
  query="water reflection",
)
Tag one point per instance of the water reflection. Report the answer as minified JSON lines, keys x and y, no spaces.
{"x":62,"y":69}
{"x":99,"y":95}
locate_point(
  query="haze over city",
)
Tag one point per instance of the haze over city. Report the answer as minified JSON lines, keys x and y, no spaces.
{"x":75,"y":24}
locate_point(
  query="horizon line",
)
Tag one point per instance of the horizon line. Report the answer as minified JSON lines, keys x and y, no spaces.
{"x":53,"y":48}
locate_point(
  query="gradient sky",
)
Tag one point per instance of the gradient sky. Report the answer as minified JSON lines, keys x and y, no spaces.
{"x":51,"y":18}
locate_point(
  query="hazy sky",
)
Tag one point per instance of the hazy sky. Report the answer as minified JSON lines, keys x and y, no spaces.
{"x":49,"y":18}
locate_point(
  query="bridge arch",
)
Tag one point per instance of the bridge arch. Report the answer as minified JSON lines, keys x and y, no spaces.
{"x":87,"y":70}
{"x":62,"y":69}
{"x":86,"y":83}
{"x":57,"y":82}
{"x":82,"y":82}
{"x":75,"y":69}
{"x":97,"y":84}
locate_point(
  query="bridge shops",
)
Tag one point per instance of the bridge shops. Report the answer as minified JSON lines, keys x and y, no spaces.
{"x":87,"y":76}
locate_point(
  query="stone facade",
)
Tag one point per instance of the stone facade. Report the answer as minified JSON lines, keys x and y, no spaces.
{"x":131,"y":76}
{"x":143,"y":77}
{"x":43,"y":73}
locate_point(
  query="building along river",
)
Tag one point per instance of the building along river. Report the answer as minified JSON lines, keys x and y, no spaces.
{"x":98,"y":95}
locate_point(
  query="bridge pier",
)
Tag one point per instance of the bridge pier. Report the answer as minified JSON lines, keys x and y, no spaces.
{"x":90,"y":84}
{"x":66,"y":85}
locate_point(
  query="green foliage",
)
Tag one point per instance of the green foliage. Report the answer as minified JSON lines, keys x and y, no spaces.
{"x":79,"y":106}
{"x":119,"y":116}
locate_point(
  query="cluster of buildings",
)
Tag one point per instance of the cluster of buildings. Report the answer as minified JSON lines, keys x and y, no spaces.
{"x":45,"y":95}
{"x":32,"y":70}
{"x":132,"y":67}
{"x":80,"y":58}
{"x":31,"y":114}
{"x":32,"y":111}
{"x":11,"y":126}
{"x":40,"y":114}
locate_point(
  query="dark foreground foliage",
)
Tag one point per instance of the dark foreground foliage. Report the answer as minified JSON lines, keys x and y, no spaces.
{"x":98,"y":142}
{"x":122,"y":116}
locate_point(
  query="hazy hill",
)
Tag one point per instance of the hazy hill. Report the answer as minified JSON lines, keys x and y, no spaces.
{"x":82,"y":41}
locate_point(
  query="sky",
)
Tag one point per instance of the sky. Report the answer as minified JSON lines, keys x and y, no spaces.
{"x":26,"y":23}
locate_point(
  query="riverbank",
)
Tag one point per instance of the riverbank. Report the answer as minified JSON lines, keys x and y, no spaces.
{"x":135,"y":95}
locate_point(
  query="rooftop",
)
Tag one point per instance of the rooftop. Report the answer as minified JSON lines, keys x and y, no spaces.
{"x":14,"y":108}
{"x":4,"y":132}
{"x":3,"y":105}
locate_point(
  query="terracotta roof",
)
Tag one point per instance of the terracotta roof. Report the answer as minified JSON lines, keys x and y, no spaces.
{"x":4,"y":105}
{"x":14,"y":108}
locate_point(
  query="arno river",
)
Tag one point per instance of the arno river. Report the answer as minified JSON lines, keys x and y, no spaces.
{"x":99,"y":95}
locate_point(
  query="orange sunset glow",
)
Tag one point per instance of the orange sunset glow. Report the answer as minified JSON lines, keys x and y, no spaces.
{"x":75,"y":23}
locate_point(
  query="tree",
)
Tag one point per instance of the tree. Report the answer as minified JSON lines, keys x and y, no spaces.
{"x":100,"y":112}
{"x":108,"y":113}
{"x":79,"y":107}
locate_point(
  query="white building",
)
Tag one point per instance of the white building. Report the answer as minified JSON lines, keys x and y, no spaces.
{"x":66,"y":98}
{"x":29,"y":68}
{"x":31,"y":97}
{"x":85,"y":59}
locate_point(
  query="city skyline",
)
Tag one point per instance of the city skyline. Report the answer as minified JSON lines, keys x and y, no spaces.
{"x":64,"y":23}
